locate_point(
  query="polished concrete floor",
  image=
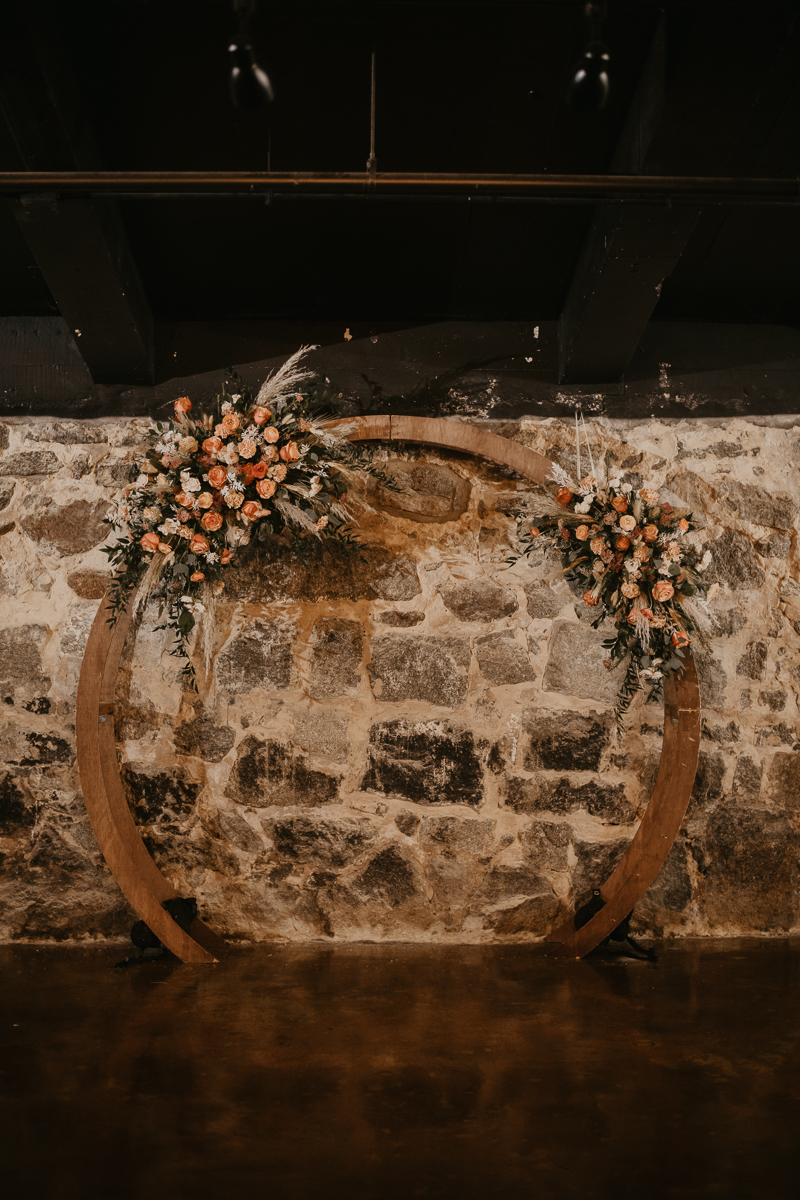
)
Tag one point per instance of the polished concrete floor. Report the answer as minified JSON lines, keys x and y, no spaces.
{"x":401,"y":1071}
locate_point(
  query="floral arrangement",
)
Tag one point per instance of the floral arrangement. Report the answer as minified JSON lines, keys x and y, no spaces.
{"x":626,"y":550}
{"x":258,"y":467}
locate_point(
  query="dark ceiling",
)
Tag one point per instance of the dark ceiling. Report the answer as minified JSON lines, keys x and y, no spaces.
{"x":461,"y":87}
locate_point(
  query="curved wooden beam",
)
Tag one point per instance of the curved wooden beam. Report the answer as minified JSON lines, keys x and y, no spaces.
{"x":146,"y":888}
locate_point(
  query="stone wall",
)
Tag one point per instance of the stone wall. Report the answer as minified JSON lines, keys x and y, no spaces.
{"x":413,"y":742}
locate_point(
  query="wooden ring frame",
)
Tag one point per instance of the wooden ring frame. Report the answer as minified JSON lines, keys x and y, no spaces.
{"x":146,"y":888}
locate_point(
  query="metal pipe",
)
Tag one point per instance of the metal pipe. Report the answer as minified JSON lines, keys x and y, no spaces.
{"x":663,"y":188}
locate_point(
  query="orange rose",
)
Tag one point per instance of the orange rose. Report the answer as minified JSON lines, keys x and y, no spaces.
{"x":230,"y":422}
{"x":683,"y":525}
{"x":582,"y":533}
{"x":185,"y":499}
{"x":260,"y":470}
{"x":225,"y":557}
{"x":589,"y":599}
{"x":564,"y":495}
{"x":212,"y":445}
{"x":251,"y":509}
{"x":622,"y":543}
{"x":150,"y":542}
{"x":246,"y":473}
{"x":247,"y":448}
{"x":197,"y":577}
{"x":535,"y":532}
{"x":211,"y":520}
{"x":271,"y":434}
{"x":205,"y":500}
{"x":663,"y":591}
{"x":198,"y":544}
{"x":266,"y":488}
{"x":620,"y":504}
{"x":182,"y":405}
{"x":650,"y":533}
{"x":290,"y":452}
{"x":217,"y":476}
{"x":679,"y":638}
{"x":261,"y":416}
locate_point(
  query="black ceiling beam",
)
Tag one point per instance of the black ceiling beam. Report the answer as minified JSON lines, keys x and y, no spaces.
{"x":630,"y":250}
{"x":653,"y":189}
{"x":79,"y":244}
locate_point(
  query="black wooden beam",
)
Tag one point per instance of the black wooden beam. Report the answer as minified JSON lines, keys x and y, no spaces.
{"x":671,"y":127}
{"x":80,"y":245}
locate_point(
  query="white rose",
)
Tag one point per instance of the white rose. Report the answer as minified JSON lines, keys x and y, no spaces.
{"x":192,"y":485}
{"x":187,"y":445}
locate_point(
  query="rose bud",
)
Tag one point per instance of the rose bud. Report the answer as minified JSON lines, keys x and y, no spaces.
{"x":620,"y":504}
{"x":197,"y":577}
{"x":182,"y":405}
{"x":150,"y":542}
{"x":211,"y":520}
{"x":679,"y":638}
{"x":165,"y":547}
{"x":261,"y":416}
{"x":266,"y":488}
{"x":535,"y":532}
{"x":225,"y":557}
{"x":212,"y":445}
{"x":683,"y":525}
{"x":217,"y":476}
{"x":564,"y":496}
{"x":271,"y":434}
{"x":251,"y":509}
{"x":205,"y":500}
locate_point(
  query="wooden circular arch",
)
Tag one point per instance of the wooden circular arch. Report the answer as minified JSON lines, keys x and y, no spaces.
{"x":146,"y":888}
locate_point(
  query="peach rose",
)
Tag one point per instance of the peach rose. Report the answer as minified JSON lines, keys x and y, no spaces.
{"x":278,"y":472}
{"x":185,"y":500}
{"x":217,"y":476}
{"x":251,"y":509}
{"x":150,"y":542}
{"x":211,"y":520}
{"x":641,"y":554}
{"x":261,"y":416}
{"x":271,"y":434}
{"x":589,"y":599}
{"x":663,"y":591}
{"x":225,"y":557}
{"x":182,"y":405}
{"x":290,"y":452}
{"x":247,"y":448}
{"x":197,"y":577}
{"x":597,"y":545}
{"x":232,"y":498}
{"x":620,"y":504}
{"x":205,"y":500}
{"x":649,"y":495}
{"x":198,"y":544}
{"x":622,"y":543}
{"x":582,"y":533}
{"x":266,"y":488}
{"x":683,"y":525}
{"x":220,"y":431}
{"x":212,"y":445}
{"x":630,"y":590}
{"x":230,"y":422}
{"x":650,"y":533}
{"x":628,"y":523}
{"x":260,"y":470}
{"x":270,"y":454}
{"x":564,"y":495}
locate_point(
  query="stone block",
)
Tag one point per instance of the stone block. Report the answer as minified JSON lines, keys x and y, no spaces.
{"x":667,"y":901}
{"x":759,"y":506}
{"x":748,"y":857}
{"x":3,"y":437}
{"x":784,"y":780}
{"x":433,"y":669}
{"x":89,"y":585}
{"x":459,"y":834}
{"x":6,"y":492}
{"x":777,"y":545}
{"x":502,"y":660}
{"x":389,"y":878}
{"x":596,"y":862}
{"x":575,"y":664}
{"x":323,"y":841}
{"x":508,"y":881}
{"x":337,"y":650}
{"x":74,"y":528}
{"x":30,"y":462}
{"x":201,"y":737}
{"x":565,"y":741}
{"x":22,"y":676}
{"x":608,"y":802}
{"x":428,"y":492}
{"x":428,"y":762}
{"x":747,"y":779}
{"x":267,"y":775}
{"x":116,"y":473}
{"x":543,"y":602}
{"x":259,"y":656}
{"x":165,"y":799}
{"x":534,"y":917}
{"x":322,"y":731}
{"x":17,"y":811}
{"x":546,"y":843}
{"x":734,"y":562}
{"x":407,"y":822}
{"x":401,"y":620}
{"x":66,"y":433}
{"x":237,"y":831}
{"x":76,"y":628}
{"x":753,"y":663}
{"x":711,"y":677}
{"x":326,"y":572}
{"x":478,"y":600}
{"x":708,"y":782}
{"x":774,"y":699}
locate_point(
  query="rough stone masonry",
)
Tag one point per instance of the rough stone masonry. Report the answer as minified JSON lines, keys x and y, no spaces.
{"x":412,"y":742}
